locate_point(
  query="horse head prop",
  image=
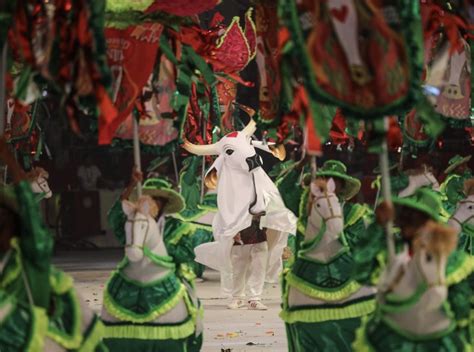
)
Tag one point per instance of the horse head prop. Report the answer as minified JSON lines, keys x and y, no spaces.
{"x":325,"y":220}
{"x":422,"y":177}
{"x":40,"y":184}
{"x":421,"y":280}
{"x":325,"y":207}
{"x":142,"y":231}
{"x":464,"y":213}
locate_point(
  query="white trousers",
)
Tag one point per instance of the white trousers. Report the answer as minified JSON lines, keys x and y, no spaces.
{"x":226,"y":284}
{"x":277,"y":241}
{"x":249,"y":263}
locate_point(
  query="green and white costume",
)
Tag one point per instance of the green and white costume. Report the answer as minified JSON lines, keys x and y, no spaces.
{"x":152,"y":306}
{"x":319,"y":292}
{"x":388,"y":330}
{"x":28,"y":276}
{"x":196,"y":217}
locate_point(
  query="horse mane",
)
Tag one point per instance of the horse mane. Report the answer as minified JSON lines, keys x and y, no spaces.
{"x":322,"y":184}
{"x":42,"y":172}
{"x":438,"y":238}
{"x":469,"y":187}
{"x":153,"y":207}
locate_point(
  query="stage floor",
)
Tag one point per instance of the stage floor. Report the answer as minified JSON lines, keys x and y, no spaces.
{"x":225,"y":330}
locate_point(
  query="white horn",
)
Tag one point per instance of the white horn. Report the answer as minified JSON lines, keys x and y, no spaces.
{"x":206,"y":149}
{"x":250,"y":129}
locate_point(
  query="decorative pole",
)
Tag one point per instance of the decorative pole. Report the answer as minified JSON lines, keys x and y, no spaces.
{"x":136,"y":152}
{"x":203,"y":167}
{"x":387,"y":192}
{"x":3,"y":69}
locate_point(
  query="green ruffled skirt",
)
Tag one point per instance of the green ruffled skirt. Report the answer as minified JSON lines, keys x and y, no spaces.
{"x":65,"y":325}
{"x":324,"y":336}
{"x":138,"y":306}
{"x":378,"y":336}
{"x":200,"y":236}
{"x":24,"y":329}
{"x":152,"y":337}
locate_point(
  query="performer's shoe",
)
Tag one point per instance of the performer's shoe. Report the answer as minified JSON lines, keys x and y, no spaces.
{"x":236,"y":304}
{"x":257,"y":305}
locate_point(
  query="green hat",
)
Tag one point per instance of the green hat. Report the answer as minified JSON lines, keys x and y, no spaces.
{"x":8,"y":198}
{"x":455,"y":161}
{"x":158,"y":187}
{"x":336,"y":169}
{"x":424,"y":199}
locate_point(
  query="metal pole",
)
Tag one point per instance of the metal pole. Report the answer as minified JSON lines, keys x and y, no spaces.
{"x":387,"y":193}
{"x":136,"y":153}
{"x":313,"y":167}
{"x":175,"y":167}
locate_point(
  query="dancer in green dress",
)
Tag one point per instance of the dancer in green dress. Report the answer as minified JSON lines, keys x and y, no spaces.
{"x":147,"y":303}
{"x":322,"y":304}
{"x":423,"y":295}
{"x":30,"y":284}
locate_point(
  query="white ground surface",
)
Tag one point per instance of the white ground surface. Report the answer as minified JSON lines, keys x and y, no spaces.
{"x":225,"y":330}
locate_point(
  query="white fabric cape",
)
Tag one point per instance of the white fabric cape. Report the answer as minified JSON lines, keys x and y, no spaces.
{"x":233,"y":212}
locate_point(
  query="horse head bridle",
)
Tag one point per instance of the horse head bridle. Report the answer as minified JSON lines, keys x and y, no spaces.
{"x":331,"y":209}
{"x":41,"y":185}
{"x":461,"y":223}
{"x":133,"y":233}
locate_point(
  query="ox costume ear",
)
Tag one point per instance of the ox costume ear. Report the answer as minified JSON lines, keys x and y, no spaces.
{"x":211,"y":179}
{"x":128,"y":207}
{"x":278,"y":152}
{"x":331,"y":185}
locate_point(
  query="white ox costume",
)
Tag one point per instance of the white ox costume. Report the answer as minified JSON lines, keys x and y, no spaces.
{"x":243,"y":190}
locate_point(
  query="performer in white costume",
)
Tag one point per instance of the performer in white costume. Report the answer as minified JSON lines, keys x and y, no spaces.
{"x":243,"y":190}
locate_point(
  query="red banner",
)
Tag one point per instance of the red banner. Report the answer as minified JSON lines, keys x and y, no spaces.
{"x":131,"y":55}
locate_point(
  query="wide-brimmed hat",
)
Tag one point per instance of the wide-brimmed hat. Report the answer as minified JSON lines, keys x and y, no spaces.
{"x":424,"y":199}
{"x":8,"y":198}
{"x":455,"y":161}
{"x":336,"y":169}
{"x":159,"y":187}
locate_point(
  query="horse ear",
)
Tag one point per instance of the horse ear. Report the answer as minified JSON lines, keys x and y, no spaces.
{"x":128,"y":207}
{"x":331,"y":185}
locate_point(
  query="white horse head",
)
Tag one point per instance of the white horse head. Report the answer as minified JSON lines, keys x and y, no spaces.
{"x":418,"y":178}
{"x":40,"y":184}
{"x":325,"y":209}
{"x":464,"y":213}
{"x":142,"y":231}
{"x":424,"y":274}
